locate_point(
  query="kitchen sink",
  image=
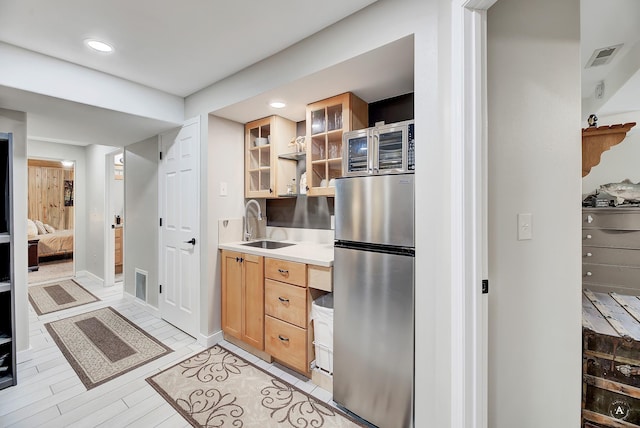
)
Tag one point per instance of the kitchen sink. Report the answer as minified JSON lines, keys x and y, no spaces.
{"x":268,"y":245}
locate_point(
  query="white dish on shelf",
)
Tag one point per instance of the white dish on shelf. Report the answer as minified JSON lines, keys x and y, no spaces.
{"x":260,"y":141}
{"x":323,"y":183}
{"x":332,"y":182}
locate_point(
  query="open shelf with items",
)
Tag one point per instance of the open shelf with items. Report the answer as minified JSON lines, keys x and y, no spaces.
{"x":327,"y":120}
{"x":7,"y":323}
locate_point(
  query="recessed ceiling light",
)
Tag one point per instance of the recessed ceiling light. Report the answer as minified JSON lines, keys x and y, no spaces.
{"x":277,"y":104}
{"x":99,"y":46}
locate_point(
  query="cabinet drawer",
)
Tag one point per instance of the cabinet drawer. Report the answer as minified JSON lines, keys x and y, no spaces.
{"x":286,"y":342}
{"x":611,"y":238}
{"x":286,"y":271}
{"x":621,"y":219}
{"x":611,"y":256}
{"x":320,"y":277}
{"x":286,"y":302}
{"x":625,"y":276}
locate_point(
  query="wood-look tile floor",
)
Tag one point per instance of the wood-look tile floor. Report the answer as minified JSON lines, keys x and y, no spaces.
{"x":50,"y":394}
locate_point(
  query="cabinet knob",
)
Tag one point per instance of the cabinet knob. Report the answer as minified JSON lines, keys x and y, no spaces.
{"x":588,"y":236}
{"x":589,"y":254}
{"x":589,"y":274}
{"x":589,"y":219}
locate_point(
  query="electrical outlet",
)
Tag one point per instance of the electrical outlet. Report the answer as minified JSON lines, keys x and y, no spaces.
{"x":524,"y":227}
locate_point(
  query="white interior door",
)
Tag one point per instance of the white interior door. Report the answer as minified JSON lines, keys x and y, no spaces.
{"x":180,"y":229}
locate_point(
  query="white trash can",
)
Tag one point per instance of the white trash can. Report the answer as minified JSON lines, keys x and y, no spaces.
{"x":322,"y":316}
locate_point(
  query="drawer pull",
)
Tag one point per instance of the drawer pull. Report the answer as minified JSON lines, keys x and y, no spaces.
{"x":589,"y":274}
{"x":283,"y":300}
{"x":589,"y":254}
{"x":282,"y":338}
{"x":588,"y":236}
{"x":283,"y":271}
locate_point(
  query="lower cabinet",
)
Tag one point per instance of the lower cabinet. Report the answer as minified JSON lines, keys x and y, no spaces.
{"x":243,"y":297}
{"x":288,"y":333}
{"x":266,"y":303}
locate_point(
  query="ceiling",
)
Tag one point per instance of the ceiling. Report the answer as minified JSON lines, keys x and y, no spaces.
{"x":160,"y":44}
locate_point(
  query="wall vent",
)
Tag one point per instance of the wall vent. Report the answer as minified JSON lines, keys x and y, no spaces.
{"x":141,"y":284}
{"x":603,"y":56}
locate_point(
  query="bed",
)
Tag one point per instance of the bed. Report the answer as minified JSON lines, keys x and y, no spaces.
{"x":58,"y":243}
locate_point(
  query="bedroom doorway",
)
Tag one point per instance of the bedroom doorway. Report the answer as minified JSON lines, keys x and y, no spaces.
{"x":50,"y":220}
{"x":114,"y":215}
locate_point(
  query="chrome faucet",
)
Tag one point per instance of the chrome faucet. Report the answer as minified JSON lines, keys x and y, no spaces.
{"x":247,"y":229}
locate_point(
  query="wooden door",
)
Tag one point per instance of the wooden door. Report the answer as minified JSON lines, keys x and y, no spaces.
{"x":232,"y":293}
{"x":253,"y":332}
{"x":180,"y":232}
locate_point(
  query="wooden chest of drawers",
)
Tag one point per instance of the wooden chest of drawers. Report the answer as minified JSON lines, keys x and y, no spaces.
{"x":611,"y":250}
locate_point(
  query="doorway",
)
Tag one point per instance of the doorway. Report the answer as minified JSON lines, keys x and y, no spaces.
{"x":50,"y":220}
{"x":114,"y":218}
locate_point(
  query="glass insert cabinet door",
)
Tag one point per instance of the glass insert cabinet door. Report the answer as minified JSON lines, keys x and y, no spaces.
{"x":259,"y":171}
{"x":326,"y":145}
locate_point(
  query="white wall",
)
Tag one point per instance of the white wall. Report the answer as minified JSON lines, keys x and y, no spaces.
{"x":46,"y":150}
{"x":535,"y":334}
{"x":16,"y":123}
{"x":141,"y":221}
{"x":224,"y":156}
{"x":621,"y":161}
{"x":95,"y":178}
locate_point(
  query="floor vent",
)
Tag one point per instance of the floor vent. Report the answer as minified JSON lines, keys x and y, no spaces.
{"x":141,"y":284}
{"x":603,"y":56}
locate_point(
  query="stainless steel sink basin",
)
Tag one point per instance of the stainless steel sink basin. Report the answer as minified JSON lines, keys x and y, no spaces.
{"x":267,"y":245}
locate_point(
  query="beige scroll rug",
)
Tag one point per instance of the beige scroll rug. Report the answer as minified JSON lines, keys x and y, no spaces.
{"x":217,"y":388}
{"x":56,"y":296}
{"x":101,"y":345}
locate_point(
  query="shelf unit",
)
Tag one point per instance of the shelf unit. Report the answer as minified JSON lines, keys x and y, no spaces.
{"x":7,"y":308}
{"x":265,"y":175}
{"x":327,"y":120}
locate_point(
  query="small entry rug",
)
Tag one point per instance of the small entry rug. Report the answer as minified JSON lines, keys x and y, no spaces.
{"x":101,"y":345}
{"x":217,"y":388}
{"x":56,"y":296}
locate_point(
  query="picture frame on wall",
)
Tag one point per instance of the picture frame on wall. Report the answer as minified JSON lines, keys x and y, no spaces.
{"x":68,"y":193}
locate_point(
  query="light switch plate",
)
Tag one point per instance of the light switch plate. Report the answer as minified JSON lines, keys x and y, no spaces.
{"x":524,"y":227}
{"x":223,"y":188}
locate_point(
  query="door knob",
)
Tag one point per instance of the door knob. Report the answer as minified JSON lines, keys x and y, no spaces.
{"x":192,"y":241}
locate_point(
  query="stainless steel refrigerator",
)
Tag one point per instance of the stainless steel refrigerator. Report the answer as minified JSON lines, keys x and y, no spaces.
{"x":374,"y":298}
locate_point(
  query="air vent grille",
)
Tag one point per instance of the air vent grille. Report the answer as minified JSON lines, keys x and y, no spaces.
{"x":141,"y":284}
{"x":603,"y":56}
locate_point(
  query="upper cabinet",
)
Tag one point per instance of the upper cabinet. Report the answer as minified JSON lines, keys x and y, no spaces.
{"x":327,"y":120}
{"x":265,"y":139}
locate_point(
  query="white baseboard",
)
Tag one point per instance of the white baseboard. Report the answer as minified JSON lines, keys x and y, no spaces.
{"x":24,"y":355}
{"x":209,"y":341}
{"x":144,"y":305}
{"x":87,"y":274}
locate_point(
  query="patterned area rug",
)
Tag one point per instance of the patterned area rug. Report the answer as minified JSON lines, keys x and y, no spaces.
{"x":217,"y":388}
{"x":102,"y":345}
{"x":56,"y":296}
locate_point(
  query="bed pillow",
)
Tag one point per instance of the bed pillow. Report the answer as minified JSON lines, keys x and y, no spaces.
{"x":49,"y":228}
{"x":41,"y":229}
{"x":32,"y":229}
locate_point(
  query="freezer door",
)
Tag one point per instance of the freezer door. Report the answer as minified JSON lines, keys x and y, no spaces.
{"x":374,"y":336}
{"x":377,"y":209}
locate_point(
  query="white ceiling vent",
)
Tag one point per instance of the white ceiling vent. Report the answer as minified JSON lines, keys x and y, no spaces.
{"x":603,"y":56}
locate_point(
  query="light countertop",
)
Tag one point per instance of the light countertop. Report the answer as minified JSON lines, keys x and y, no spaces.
{"x":303,"y":252}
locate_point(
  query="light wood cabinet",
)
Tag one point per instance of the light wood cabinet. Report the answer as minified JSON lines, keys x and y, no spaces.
{"x":327,"y":120}
{"x":118,"y":249}
{"x":288,"y":333}
{"x":267,"y":176}
{"x":243,"y":297}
